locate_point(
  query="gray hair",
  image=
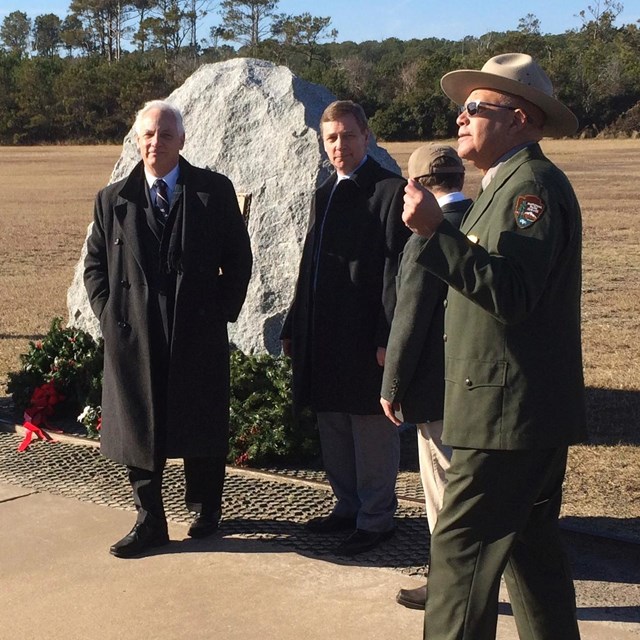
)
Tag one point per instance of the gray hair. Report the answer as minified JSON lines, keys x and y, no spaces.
{"x":163,"y":106}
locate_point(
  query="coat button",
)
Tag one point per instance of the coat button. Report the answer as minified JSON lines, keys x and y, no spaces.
{"x":122,"y":324}
{"x":468,"y":382}
{"x":444,"y":337}
{"x":445,"y":303}
{"x":117,"y":241}
{"x":125,"y":284}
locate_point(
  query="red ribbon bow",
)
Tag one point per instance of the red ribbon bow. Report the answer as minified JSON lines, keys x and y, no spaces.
{"x":43,"y":402}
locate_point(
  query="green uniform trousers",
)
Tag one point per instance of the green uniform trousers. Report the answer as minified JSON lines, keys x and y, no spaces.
{"x":500,"y":515}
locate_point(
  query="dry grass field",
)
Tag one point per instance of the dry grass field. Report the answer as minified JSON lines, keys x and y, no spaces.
{"x":46,"y":206}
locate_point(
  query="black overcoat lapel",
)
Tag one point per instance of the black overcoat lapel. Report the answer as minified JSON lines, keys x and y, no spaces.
{"x":133,"y":196}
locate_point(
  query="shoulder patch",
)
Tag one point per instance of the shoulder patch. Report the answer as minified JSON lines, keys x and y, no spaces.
{"x":528,"y":209}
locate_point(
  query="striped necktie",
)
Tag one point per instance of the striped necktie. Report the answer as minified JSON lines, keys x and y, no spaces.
{"x":162,"y":197}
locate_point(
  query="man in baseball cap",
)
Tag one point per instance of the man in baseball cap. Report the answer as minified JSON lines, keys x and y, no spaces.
{"x":434,"y":159}
{"x":514,"y":389}
{"x":413,"y":379}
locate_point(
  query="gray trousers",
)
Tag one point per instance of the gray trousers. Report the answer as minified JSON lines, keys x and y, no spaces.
{"x":361,"y":455}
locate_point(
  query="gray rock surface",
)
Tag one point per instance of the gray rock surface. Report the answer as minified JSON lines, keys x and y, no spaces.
{"x":258,"y":124}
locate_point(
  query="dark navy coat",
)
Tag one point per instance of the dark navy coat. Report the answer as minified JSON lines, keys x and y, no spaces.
{"x":345,"y":295}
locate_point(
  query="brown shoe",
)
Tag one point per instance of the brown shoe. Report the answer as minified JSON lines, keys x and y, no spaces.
{"x":413,"y":598}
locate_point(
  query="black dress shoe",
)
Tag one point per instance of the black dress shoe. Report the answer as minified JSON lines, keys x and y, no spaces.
{"x":203,"y":526}
{"x":330,"y":524}
{"x":141,"y":538}
{"x":413,"y":598}
{"x":361,"y":540}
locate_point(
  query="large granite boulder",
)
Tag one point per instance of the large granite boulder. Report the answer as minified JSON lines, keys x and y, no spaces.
{"x":256,"y":123}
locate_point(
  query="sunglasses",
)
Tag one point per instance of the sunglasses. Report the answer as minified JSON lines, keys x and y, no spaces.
{"x":474,"y":108}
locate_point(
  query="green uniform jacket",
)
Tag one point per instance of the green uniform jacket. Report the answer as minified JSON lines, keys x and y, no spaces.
{"x":513,"y":359}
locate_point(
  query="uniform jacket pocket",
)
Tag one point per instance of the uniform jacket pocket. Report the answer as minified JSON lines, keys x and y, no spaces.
{"x":472,"y":374}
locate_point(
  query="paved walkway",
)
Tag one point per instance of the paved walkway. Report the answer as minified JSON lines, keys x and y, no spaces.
{"x":262,"y":578}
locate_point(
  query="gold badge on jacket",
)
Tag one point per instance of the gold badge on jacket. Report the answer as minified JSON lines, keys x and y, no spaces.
{"x":529,"y":209}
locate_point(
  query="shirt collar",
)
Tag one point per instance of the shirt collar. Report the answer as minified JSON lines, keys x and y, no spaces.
{"x":349,"y":176}
{"x":448,"y":198}
{"x":171,"y":179}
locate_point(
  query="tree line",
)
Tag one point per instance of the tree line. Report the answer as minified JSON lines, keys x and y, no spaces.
{"x":82,"y":77}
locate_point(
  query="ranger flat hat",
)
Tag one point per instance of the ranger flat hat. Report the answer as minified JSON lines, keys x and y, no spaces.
{"x":422,"y":159}
{"x":519,"y":75}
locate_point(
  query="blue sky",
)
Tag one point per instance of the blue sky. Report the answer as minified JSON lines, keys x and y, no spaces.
{"x":360,"y":20}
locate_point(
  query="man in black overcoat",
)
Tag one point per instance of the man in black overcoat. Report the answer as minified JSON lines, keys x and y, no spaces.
{"x":338,"y":325}
{"x":167,"y":267}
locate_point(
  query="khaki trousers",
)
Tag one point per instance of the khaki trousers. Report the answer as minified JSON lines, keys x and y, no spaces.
{"x":434,"y":461}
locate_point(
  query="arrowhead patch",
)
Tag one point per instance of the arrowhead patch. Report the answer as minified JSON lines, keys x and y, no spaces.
{"x":529,"y":209}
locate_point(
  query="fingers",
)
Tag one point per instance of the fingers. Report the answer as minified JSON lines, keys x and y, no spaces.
{"x":389,"y":411}
{"x":421,"y":212}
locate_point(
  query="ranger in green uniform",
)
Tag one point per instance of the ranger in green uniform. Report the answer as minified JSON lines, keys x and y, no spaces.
{"x":514,"y":391}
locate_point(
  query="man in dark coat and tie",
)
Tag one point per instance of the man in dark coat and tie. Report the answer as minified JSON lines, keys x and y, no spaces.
{"x":167,"y":267}
{"x":514,"y":389}
{"x":413,"y":380}
{"x":338,"y":325}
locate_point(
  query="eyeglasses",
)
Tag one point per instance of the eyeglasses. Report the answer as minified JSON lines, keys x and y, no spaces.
{"x":474,"y":108}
